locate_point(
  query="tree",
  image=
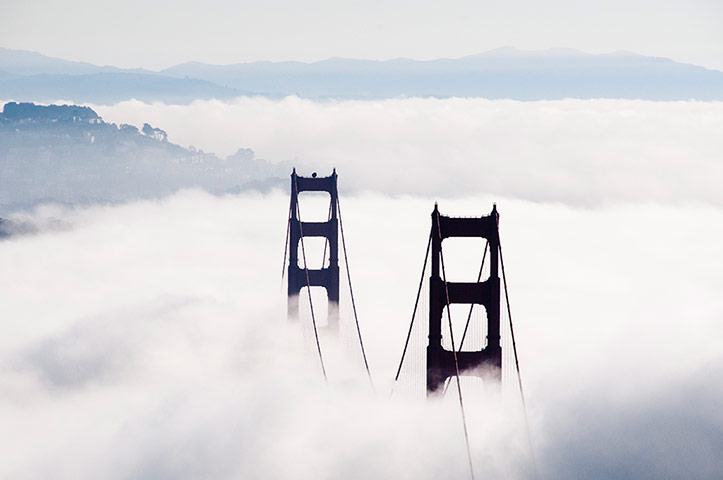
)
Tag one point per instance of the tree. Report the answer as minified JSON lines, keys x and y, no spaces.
{"x":156,"y":133}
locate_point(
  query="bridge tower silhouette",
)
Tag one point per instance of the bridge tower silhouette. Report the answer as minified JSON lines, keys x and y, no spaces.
{"x":302,"y":276}
{"x":442,"y":363}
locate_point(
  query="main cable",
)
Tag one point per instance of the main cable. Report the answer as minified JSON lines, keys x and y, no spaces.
{"x":308,"y":289}
{"x":517,"y":362}
{"x":454,"y":352}
{"x":414,"y":313}
{"x":469,"y":316}
{"x":351,"y":292}
{"x":286,"y":243}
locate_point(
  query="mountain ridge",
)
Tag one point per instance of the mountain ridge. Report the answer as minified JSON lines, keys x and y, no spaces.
{"x":87,"y":67}
{"x":502,"y":73}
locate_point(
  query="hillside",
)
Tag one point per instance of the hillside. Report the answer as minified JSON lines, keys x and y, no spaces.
{"x":68,"y":154}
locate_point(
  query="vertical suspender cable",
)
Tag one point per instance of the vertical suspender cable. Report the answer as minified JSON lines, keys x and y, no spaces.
{"x":414,"y":313}
{"x":286,"y":243}
{"x":517,"y":362}
{"x":454,"y":353}
{"x":308,"y":287}
{"x":351,"y":292}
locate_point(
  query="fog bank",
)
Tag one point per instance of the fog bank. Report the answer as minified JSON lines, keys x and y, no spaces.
{"x":580,"y":152}
{"x":149,"y":340}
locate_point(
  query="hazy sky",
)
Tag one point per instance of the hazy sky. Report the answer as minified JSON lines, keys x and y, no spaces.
{"x":159,"y":34}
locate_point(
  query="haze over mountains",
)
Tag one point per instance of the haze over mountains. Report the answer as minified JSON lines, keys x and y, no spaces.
{"x":500,"y":73}
{"x":68,"y":154}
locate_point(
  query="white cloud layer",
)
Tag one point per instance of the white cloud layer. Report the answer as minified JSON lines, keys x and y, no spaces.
{"x":148,"y":340}
{"x":573,"y":151}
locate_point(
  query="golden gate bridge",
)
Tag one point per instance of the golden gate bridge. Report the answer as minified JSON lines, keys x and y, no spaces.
{"x":486,"y":348}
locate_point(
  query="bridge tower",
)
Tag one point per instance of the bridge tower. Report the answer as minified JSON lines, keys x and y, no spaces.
{"x":327,"y":277}
{"x":486,"y":363}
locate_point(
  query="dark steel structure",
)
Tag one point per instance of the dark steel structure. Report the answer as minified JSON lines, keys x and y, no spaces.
{"x":486,"y":363}
{"x":327,"y":277}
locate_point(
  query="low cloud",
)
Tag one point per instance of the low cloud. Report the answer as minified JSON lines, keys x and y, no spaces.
{"x":149,"y":340}
{"x":580,"y":152}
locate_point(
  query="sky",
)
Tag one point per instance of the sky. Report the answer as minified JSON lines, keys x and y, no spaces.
{"x":159,"y":34}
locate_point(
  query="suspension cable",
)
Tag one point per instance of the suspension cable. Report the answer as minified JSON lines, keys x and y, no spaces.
{"x":351,"y":292}
{"x":286,"y":243}
{"x":308,"y":289}
{"x":414,"y":313}
{"x":517,"y":362}
{"x":454,"y":353}
{"x":471,"y":307}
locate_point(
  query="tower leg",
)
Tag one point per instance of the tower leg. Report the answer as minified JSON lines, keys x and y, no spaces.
{"x":333,"y":316}
{"x":293,"y":306}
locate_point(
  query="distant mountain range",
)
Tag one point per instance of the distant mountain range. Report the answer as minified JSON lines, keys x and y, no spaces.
{"x":32,"y":77}
{"x":501,"y":73}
